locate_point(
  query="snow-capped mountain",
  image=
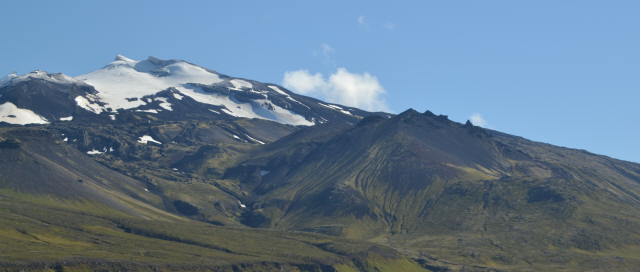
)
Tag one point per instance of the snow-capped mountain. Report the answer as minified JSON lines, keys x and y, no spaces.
{"x":40,"y":98}
{"x":37,"y":74}
{"x":167,"y":89}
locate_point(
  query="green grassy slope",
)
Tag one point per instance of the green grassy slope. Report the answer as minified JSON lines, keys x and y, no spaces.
{"x":456,"y":193}
{"x":61,"y":210}
{"x":39,"y":232}
{"x":325,"y":198}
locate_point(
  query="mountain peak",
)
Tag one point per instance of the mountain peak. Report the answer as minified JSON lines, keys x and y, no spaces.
{"x":120,"y":57}
{"x":137,"y":86}
{"x":468,"y":124}
{"x":155,"y":60}
{"x":59,"y":78}
{"x":8,"y":78}
{"x":409,"y":112}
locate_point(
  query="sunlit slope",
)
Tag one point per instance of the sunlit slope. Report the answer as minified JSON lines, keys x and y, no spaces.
{"x":38,"y":232}
{"x":62,"y":210}
{"x":457,"y":192}
{"x":34,"y":162}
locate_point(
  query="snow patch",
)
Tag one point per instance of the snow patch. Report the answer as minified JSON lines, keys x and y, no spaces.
{"x":148,"y":111}
{"x":164,"y":103}
{"x":123,"y":59}
{"x":5,"y":79}
{"x":240,"y":84}
{"x":11,"y":114}
{"x":38,"y":74}
{"x":337,"y":108}
{"x":94,"y":152}
{"x":254,"y":139}
{"x":144,"y":139}
{"x":68,"y":118}
{"x":260,"y":108}
{"x":126,"y":78}
{"x":278,"y":90}
{"x":178,"y":96}
{"x":263,"y":93}
{"x":264,"y":172}
{"x":89,"y":104}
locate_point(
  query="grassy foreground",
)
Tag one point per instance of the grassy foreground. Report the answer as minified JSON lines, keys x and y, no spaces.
{"x":43,"y":233}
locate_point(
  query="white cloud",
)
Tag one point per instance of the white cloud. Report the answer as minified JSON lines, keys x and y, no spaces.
{"x":303,"y":82}
{"x":477,"y":120}
{"x":362,"y":20}
{"x":342,"y":87}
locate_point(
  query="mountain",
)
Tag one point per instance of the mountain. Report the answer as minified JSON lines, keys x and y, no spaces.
{"x":166,"y":165}
{"x":165,"y":89}
{"x":62,"y":211}
{"x":443,"y":190}
{"x":80,"y":197}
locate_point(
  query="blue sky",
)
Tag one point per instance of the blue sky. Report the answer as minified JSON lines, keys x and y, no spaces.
{"x":562,"y":72}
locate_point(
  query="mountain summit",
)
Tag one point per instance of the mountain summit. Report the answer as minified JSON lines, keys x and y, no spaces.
{"x":156,"y":86}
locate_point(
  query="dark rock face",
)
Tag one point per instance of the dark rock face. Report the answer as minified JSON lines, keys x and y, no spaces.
{"x":10,"y":143}
{"x":48,"y":99}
